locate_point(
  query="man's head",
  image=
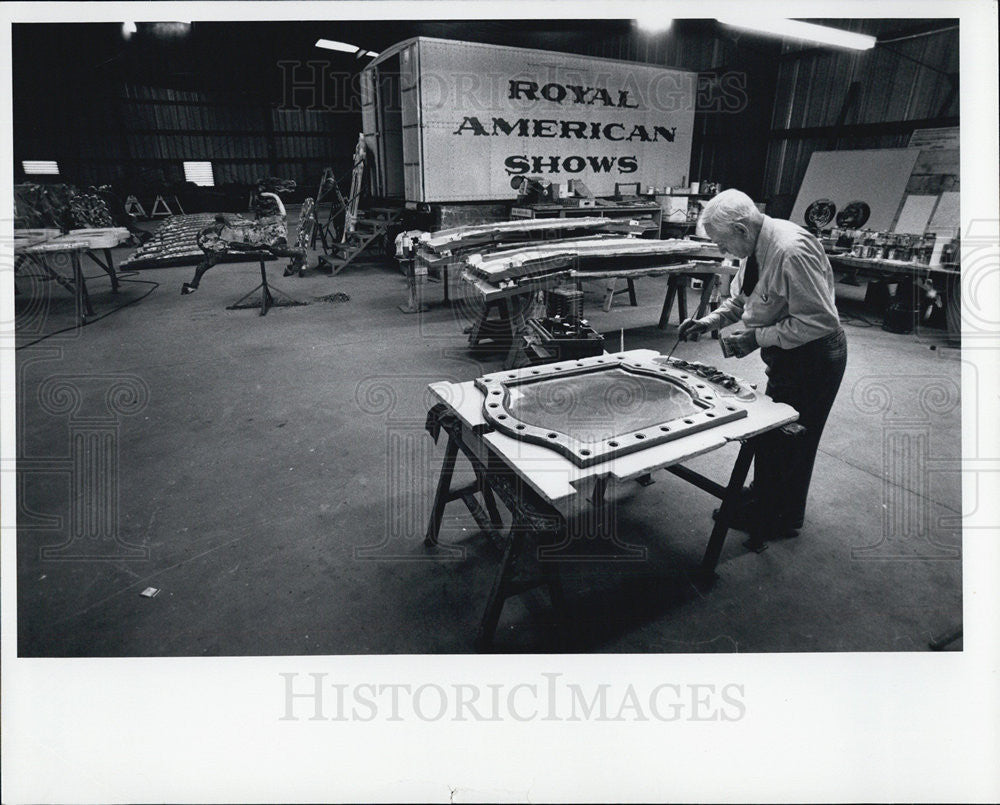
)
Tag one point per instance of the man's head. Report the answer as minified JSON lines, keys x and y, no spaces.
{"x":733,"y":222}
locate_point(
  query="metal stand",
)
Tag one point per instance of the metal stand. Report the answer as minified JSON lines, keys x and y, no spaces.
{"x":267,"y":298}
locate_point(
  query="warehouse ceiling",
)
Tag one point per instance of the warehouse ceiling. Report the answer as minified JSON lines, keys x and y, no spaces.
{"x":243,"y":57}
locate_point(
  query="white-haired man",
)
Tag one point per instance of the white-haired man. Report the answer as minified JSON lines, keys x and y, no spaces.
{"x":784,"y":296}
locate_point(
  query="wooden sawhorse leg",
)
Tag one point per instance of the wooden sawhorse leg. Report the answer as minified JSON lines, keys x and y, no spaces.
{"x":83,"y":306}
{"x":488,"y":521}
{"x":501,"y":329}
{"x":527,"y":521}
{"x":730,"y":495}
{"x":708,"y":285}
{"x":108,"y":265}
{"x":611,"y":293}
{"x":730,"y":502}
{"x":676,"y":288}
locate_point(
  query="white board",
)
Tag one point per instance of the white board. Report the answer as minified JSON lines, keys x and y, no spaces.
{"x":915,"y":214}
{"x":877,"y":177}
{"x":946,"y":220}
{"x":490,"y":113}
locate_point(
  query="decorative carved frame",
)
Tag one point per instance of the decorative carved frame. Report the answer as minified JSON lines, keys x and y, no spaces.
{"x":717,"y":407}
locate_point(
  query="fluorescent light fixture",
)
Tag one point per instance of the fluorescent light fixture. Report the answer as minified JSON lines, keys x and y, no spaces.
{"x":200,"y":173}
{"x":330,"y":44}
{"x":653,"y":23}
{"x":793,"y":29}
{"x":343,"y":47}
{"x":40,"y":167}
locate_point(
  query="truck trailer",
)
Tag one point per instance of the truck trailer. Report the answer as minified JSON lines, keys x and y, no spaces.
{"x":453,"y":128}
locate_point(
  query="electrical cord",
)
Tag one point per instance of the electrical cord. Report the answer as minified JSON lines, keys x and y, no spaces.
{"x":103,"y":315}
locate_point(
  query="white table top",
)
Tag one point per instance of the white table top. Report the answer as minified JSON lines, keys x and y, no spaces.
{"x":37,"y":241}
{"x":558,"y":480}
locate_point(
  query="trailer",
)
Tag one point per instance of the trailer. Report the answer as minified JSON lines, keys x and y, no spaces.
{"x":452,"y":128}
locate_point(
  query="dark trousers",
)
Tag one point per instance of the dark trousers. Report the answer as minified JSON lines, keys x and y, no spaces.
{"x":806,"y":378}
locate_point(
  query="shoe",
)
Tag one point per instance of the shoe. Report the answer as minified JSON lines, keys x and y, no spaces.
{"x":743,"y":519}
{"x":186,"y":289}
{"x":289,"y":271}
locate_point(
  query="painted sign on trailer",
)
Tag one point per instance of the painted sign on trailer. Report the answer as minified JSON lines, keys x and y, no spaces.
{"x":475,"y":116}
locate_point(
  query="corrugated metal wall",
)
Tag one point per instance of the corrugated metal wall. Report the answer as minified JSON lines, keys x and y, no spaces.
{"x":141,"y":136}
{"x":828,"y":100}
{"x":795,"y":102}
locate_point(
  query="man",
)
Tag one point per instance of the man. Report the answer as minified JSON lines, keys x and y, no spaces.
{"x":784,"y":295}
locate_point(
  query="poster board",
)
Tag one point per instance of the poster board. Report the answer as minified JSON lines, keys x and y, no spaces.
{"x":875,"y":176}
{"x":945,"y":221}
{"x":489,"y":114}
{"x":915,"y":215}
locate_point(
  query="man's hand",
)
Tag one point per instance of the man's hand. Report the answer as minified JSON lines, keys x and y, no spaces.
{"x":743,"y":343}
{"x":691,"y":327}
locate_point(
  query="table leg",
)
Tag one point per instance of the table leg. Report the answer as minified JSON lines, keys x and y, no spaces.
{"x":708,"y":282}
{"x":477,"y":327}
{"x":682,"y":299}
{"x":441,"y":495}
{"x":668,"y":301}
{"x":507,"y":310}
{"x":83,"y":307}
{"x":498,"y":595}
{"x":733,"y":494}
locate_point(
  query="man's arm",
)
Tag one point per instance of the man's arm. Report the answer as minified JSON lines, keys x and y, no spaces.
{"x":811,"y":310}
{"x":730,"y":311}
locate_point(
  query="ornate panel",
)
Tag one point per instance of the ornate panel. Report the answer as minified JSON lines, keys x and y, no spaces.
{"x":596,"y":409}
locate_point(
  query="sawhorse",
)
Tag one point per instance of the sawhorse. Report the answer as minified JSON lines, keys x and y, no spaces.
{"x":78,"y":285}
{"x":677,"y":285}
{"x":611,"y":293}
{"x":534,"y":521}
{"x":503,"y":328}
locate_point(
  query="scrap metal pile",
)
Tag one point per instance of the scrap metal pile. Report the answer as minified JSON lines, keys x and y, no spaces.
{"x":175,"y":243}
{"x":585,"y":256}
{"x":60,"y":206}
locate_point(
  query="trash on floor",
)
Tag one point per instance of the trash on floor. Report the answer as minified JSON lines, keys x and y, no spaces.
{"x":150,"y":592}
{"x":334,"y":297}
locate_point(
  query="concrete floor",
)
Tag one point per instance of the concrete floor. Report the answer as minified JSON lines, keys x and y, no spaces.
{"x":272,"y":478}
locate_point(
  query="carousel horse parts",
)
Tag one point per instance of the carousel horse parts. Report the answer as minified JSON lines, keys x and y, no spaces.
{"x":588,"y":255}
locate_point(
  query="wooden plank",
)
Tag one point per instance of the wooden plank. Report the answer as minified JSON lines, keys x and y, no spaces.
{"x":938,"y":161}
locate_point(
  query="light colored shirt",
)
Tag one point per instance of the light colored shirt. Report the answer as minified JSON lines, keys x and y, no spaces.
{"x":793,"y":301}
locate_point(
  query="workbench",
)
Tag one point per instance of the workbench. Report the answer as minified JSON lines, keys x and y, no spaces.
{"x":545,"y":491}
{"x":38,"y":244}
{"x":910,"y":275}
{"x":510,"y":301}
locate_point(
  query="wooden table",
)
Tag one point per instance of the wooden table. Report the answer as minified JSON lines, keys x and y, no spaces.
{"x":910,"y":275}
{"x":546,"y":489}
{"x":37,"y":244}
{"x":507,"y":300}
